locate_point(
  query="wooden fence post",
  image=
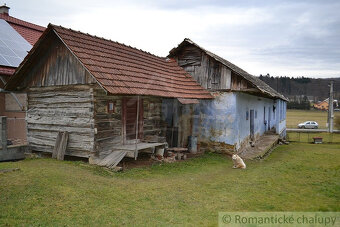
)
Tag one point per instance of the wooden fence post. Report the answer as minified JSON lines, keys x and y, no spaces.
{"x":3,"y":128}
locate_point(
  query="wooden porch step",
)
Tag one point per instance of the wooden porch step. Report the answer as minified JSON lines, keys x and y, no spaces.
{"x":112,"y":159}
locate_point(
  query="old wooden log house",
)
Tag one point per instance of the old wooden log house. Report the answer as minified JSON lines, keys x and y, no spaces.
{"x":244,"y":107}
{"x":106,"y":95}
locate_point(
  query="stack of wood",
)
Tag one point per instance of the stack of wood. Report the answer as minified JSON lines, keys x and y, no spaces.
{"x":180,"y":152}
{"x":171,"y":155}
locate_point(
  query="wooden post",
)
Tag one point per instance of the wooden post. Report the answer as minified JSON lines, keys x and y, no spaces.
{"x":137,"y":128}
{"x":57,"y":145}
{"x":63,"y":146}
{"x":3,"y":128}
{"x":60,"y":146}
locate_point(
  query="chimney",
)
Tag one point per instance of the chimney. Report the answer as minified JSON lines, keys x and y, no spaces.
{"x":4,"y":9}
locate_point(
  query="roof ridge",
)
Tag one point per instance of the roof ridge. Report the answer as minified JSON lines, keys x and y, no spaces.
{"x":20,"y":22}
{"x":261,"y":85}
{"x":109,"y":40}
{"x":211,"y":53}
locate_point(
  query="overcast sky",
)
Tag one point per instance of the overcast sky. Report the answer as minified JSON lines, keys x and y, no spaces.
{"x":282,"y":38}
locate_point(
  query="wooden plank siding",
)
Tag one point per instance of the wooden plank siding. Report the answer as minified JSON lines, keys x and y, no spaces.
{"x":63,"y":97}
{"x":108,"y":125}
{"x":56,"y":66}
{"x":82,"y":111}
{"x":152,"y":107}
{"x":208,"y":72}
{"x":61,"y":108}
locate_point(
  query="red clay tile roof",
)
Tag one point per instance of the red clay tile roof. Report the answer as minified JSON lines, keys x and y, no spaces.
{"x":30,"y":32}
{"x":121,"y":69}
{"x":7,"y":71}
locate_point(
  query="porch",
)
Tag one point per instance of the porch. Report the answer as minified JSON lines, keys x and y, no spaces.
{"x":111,"y":159}
{"x":261,"y":147}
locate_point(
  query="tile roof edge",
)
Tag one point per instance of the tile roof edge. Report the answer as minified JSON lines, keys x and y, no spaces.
{"x":109,"y":40}
{"x":22,"y":23}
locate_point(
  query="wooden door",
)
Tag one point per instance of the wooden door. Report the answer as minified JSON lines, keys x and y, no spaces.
{"x":185,"y":124}
{"x":130,"y":118}
{"x":252,"y":124}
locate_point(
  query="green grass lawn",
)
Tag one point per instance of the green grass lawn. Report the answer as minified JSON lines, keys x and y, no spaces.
{"x":295,"y":177}
{"x":294,"y":117}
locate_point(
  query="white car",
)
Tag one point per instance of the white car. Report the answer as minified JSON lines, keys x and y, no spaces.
{"x":308,"y":124}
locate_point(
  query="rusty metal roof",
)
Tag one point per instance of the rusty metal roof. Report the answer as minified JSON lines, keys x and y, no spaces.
{"x":121,"y":69}
{"x":259,"y":84}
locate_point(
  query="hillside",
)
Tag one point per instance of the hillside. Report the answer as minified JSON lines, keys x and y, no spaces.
{"x":315,"y":89}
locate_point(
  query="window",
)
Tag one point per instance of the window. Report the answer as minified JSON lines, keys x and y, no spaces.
{"x":247,"y":115}
{"x":255,"y":114}
{"x":110,"y":107}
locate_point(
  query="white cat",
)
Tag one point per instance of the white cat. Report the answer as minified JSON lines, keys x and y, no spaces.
{"x":238,"y":162}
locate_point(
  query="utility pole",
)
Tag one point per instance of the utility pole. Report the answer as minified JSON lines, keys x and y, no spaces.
{"x":330,"y":109}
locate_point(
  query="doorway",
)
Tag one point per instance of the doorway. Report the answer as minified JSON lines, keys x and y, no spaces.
{"x":252,"y":125}
{"x":129,"y":117}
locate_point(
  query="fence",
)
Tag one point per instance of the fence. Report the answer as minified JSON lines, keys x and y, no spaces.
{"x":307,"y":136}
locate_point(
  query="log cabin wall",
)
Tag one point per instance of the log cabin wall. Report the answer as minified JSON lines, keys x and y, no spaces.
{"x":61,"y":108}
{"x":60,"y":98}
{"x":108,"y":124}
{"x":208,"y":72}
{"x":152,"y":116}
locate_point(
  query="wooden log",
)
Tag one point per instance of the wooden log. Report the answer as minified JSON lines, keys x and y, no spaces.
{"x":57,"y":145}
{"x":62,"y":147}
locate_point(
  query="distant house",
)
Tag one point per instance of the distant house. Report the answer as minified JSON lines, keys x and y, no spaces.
{"x":323,"y":105}
{"x":107,"y":95}
{"x":244,"y":107}
{"x":16,"y":39}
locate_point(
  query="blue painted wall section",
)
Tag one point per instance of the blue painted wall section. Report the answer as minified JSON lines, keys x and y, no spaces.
{"x":226,"y":119}
{"x":216,"y":120}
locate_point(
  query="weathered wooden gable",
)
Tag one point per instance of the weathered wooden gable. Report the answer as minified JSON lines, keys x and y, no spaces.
{"x":55,"y":65}
{"x":205,"y":70}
